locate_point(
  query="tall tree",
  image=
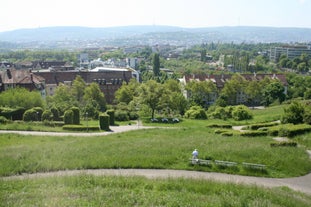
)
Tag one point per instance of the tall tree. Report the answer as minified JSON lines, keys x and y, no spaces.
{"x":78,"y":86}
{"x":156,"y":64}
{"x":92,"y":93}
{"x":151,"y":94}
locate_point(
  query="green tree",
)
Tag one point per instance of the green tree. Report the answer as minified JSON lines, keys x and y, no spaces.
{"x":233,"y":89}
{"x":63,"y":99}
{"x":93,"y":93}
{"x":151,"y":94}
{"x":156,"y":64}
{"x":202,"y":93}
{"x":127,"y":92}
{"x":273,"y":91}
{"x":78,"y":86}
{"x":21,"y":97}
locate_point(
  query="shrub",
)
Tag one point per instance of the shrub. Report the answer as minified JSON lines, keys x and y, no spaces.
{"x":104,"y":122}
{"x":219,"y":126}
{"x":47,"y":115}
{"x":133,"y":115}
{"x":76,"y":115}
{"x":68,"y":117}
{"x":284,"y":144}
{"x":227,"y":134}
{"x":80,"y":128}
{"x":121,"y":115}
{"x":12,"y":113}
{"x":55,"y":114}
{"x":254,"y":133}
{"x":241,"y":112}
{"x":111,"y":116}
{"x":262,"y":125}
{"x":39,"y":112}
{"x":3,"y":120}
{"x":289,"y":130}
{"x":30,"y":115}
{"x":294,"y":113}
{"x":196,"y":112}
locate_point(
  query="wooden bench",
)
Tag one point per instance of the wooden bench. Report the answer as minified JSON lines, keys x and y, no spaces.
{"x":254,"y":166}
{"x":200,"y":162}
{"x":225,"y":163}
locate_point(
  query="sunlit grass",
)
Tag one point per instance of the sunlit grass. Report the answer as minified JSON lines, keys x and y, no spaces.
{"x":87,"y":190}
{"x":153,"y":148}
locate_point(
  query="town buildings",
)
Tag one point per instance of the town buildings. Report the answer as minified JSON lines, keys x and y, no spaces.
{"x":291,"y":51}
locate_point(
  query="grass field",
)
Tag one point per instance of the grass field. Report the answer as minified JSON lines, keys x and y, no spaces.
{"x":153,"y":148}
{"x":87,"y":190}
{"x":159,"y":148}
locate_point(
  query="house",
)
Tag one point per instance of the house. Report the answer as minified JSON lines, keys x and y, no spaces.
{"x":11,"y":78}
{"x":109,"y":79}
{"x":220,"y":81}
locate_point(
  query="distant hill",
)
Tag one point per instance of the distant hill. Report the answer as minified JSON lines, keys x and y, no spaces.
{"x":155,"y":34}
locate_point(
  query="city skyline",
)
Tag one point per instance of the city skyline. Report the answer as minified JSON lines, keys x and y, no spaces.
{"x":182,"y":13}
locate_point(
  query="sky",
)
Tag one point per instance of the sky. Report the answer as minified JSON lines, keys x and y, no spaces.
{"x":18,"y":14}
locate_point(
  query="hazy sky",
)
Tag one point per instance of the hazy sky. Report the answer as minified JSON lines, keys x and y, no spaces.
{"x":16,"y":14}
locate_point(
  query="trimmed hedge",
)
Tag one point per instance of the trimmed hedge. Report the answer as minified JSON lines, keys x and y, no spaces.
{"x":104,"y":122}
{"x":80,"y":128}
{"x":254,"y":133}
{"x":289,"y":130}
{"x":12,"y":114}
{"x":284,"y":144}
{"x":76,"y":115}
{"x":226,"y":126}
{"x":262,"y":125}
{"x":68,"y":117}
{"x":111,"y":117}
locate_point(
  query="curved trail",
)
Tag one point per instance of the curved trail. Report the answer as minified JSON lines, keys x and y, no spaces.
{"x":302,"y":183}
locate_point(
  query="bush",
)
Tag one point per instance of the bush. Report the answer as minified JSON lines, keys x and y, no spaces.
{"x":55,"y":114}
{"x":121,"y":115}
{"x":227,"y":134}
{"x":47,"y":115}
{"x":293,"y":114}
{"x":80,"y":128}
{"x":3,"y":120}
{"x":30,"y":115}
{"x":227,"y":126}
{"x":254,"y":133}
{"x":12,"y":113}
{"x":111,"y":116}
{"x":104,"y":122}
{"x":39,"y":112}
{"x":68,"y":117}
{"x":196,"y":112}
{"x":262,"y":125}
{"x":284,"y":144}
{"x":76,"y":115}
{"x":241,"y":112}
{"x":289,"y":130}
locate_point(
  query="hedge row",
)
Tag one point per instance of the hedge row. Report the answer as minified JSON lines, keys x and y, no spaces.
{"x":262,"y":125}
{"x":284,"y":144}
{"x":226,"y":126}
{"x":80,"y":128}
{"x":289,"y":130}
{"x":254,"y":133}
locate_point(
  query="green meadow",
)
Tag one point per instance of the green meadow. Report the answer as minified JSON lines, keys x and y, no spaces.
{"x":87,"y":190}
{"x":168,"y":146}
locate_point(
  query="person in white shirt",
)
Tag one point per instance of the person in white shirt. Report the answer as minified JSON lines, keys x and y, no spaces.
{"x":195,"y":154}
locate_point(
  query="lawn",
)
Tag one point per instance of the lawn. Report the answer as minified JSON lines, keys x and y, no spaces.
{"x":87,"y":190}
{"x":148,"y":148}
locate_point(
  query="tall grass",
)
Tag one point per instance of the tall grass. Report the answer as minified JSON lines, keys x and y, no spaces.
{"x":152,"y":148}
{"x":87,"y":190}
